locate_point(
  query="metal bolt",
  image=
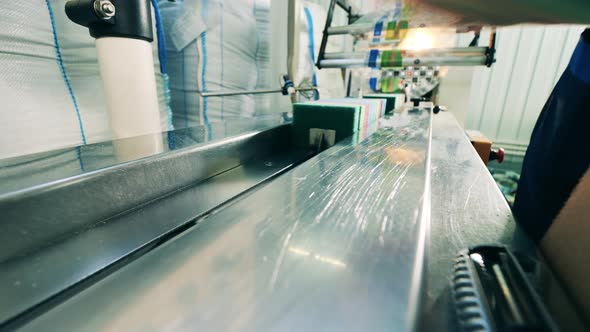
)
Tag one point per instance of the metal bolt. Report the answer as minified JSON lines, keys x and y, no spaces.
{"x":104,"y":9}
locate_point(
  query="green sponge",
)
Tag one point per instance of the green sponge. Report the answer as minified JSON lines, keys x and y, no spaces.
{"x":390,"y":100}
{"x":334,"y":121}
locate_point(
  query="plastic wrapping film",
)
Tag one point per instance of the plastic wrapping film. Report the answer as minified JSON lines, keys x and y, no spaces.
{"x":335,"y":244}
{"x":215,"y":45}
{"x":50,"y":84}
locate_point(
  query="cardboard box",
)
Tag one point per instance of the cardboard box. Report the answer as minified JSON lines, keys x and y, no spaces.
{"x":481,"y":143}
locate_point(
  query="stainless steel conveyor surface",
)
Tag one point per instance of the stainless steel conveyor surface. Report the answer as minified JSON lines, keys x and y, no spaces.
{"x":336,"y":243}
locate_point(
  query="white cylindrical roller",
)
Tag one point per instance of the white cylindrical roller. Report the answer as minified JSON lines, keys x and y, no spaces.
{"x":127,"y":71}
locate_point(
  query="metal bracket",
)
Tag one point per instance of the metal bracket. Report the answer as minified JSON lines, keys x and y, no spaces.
{"x":113,"y":18}
{"x":287,"y":88}
{"x":348,"y":9}
{"x":352,"y":17}
{"x":491,"y":51}
{"x":325,"y":33}
{"x":475,"y":40}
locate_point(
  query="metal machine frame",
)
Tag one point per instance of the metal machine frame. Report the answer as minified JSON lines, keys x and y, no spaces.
{"x":470,"y":56}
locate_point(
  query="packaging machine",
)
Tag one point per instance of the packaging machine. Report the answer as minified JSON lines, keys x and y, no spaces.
{"x":246,"y":232}
{"x":235,"y":226}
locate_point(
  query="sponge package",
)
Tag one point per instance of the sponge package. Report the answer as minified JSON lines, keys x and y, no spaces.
{"x":393,"y":100}
{"x":336,"y":119}
{"x":371,"y":111}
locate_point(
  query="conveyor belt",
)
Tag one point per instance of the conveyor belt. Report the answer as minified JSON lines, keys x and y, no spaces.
{"x":337,"y":243}
{"x":334,"y":244}
{"x":63,"y":227}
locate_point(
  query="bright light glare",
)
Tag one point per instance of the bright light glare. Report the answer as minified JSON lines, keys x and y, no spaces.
{"x":418,"y":40}
{"x":299,"y":251}
{"x":320,"y":258}
{"x":477,"y":258}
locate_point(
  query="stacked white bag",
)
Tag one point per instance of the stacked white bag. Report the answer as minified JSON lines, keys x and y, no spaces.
{"x":50,"y":85}
{"x":216,"y":45}
{"x":262,"y":14}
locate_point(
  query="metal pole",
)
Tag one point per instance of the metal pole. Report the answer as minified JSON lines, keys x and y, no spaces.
{"x":346,"y":63}
{"x":491,"y":50}
{"x":455,"y":51}
{"x":470,"y":60}
{"x":325,"y":34}
{"x":458,"y":56}
{"x":345,"y":55}
{"x":349,"y":84}
{"x":344,"y":5}
{"x":350,"y":29}
{"x":349,"y":9}
{"x":246,"y":92}
{"x":292,"y":39}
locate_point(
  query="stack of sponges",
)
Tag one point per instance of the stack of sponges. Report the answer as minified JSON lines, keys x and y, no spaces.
{"x":393,"y":100}
{"x":332,"y":120}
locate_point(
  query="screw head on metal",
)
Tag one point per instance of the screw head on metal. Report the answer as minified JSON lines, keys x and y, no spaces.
{"x":105,"y":9}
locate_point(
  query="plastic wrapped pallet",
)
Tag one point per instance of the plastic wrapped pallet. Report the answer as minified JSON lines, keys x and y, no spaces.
{"x":50,"y":85}
{"x":216,"y":45}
